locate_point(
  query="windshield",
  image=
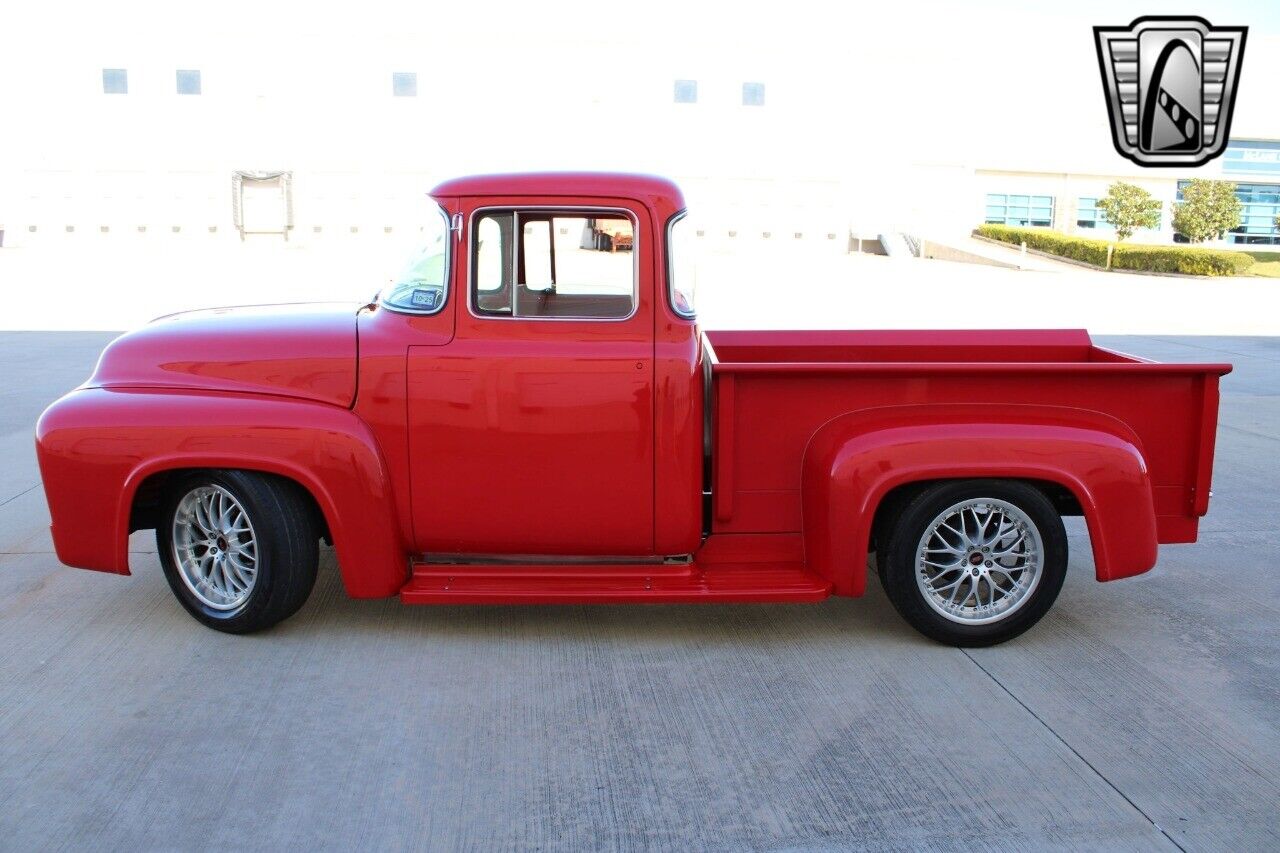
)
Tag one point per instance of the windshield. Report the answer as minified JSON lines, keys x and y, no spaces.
{"x":420,"y":285}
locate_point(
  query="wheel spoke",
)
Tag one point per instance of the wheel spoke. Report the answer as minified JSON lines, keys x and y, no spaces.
{"x":1011,"y":549}
{"x":946,"y":587}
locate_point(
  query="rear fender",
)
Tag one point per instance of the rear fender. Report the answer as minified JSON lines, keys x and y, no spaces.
{"x":854,"y":460}
{"x":96,"y":446}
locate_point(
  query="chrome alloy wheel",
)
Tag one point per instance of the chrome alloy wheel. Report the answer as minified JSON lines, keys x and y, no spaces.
{"x":215,"y":548}
{"x":979,"y":561}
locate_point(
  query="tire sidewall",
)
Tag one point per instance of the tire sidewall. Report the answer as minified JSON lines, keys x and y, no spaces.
{"x":898,"y":574}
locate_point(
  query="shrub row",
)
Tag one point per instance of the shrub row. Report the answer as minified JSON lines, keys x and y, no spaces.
{"x":1043,"y":240}
{"x":1169,"y":259}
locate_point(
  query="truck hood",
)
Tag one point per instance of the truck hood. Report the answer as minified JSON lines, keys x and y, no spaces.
{"x":303,"y":350}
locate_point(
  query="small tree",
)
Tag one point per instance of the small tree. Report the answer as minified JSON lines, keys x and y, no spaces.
{"x":1129,"y":208}
{"x":1208,"y":210}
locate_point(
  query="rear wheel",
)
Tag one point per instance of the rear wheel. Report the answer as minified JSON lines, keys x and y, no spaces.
{"x":239,"y":548}
{"x":975,"y":562}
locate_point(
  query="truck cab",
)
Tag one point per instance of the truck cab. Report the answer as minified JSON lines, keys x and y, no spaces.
{"x":554,"y":394}
{"x":530,"y":413}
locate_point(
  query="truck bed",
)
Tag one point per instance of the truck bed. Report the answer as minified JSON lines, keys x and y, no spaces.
{"x":771,"y":391}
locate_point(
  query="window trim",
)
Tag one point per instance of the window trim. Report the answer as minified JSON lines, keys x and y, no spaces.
{"x":670,"y":288}
{"x":449,"y":240}
{"x":571,"y":210}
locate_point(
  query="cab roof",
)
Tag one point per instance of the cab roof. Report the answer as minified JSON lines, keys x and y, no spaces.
{"x":648,"y":188}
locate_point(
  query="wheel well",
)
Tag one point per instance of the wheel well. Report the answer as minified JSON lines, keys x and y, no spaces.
{"x":892,"y":504}
{"x":152,"y":491}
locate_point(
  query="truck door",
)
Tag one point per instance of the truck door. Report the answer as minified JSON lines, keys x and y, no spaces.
{"x":531,"y":432}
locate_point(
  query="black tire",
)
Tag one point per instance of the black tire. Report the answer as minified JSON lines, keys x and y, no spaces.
{"x":288,"y":550}
{"x":897,"y":560}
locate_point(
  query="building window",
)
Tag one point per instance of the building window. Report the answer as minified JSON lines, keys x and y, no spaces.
{"x":188,"y":82}
{"x":686,"y":91}
{"x":404,"y":84}
{"x":115,"y":81}
{"x":1260,"y":204}
{"x":1020,"y":210}
{"x":1089,"y":216}
{"x":753,"y":94}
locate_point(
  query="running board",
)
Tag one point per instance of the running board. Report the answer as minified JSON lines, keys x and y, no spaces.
{"x":605,"y":583}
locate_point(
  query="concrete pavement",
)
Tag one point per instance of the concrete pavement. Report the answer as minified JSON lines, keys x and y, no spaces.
{"x":1142,"y":714}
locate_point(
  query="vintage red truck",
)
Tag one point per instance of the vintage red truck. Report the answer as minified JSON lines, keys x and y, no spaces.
{"x":530,"y":413}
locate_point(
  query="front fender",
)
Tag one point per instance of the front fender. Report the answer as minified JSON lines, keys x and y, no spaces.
{"x":96,"y":446}
{"x":854,"y":460}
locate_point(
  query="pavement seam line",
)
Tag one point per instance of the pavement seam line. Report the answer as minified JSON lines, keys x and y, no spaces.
{"x":1184,"y":343}
{"x":1248,"y":432}
{"x":18,"y":495}
{"x":1074,"y":751}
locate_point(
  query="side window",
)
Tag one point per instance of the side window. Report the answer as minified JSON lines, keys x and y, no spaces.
{"x":491,"y":260}
{"x":539,"y":264}
{"x":539,"y":255}
{"x":682,"y":273}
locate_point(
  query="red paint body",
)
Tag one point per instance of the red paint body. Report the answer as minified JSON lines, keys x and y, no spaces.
{"x":462,"y":458}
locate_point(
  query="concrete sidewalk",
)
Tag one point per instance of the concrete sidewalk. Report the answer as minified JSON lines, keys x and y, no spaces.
{"x":1141,"y":714}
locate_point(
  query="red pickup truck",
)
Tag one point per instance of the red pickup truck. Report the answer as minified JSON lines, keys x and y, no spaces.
{"x":530,"y":413}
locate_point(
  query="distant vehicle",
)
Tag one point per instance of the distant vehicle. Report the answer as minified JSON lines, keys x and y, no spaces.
{"x":531,"y":414}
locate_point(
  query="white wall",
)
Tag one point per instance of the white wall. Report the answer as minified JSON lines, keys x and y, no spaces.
{"x":874,"y":117}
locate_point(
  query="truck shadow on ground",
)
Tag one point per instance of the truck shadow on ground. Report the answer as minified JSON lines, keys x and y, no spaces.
{"x":330,"y":612}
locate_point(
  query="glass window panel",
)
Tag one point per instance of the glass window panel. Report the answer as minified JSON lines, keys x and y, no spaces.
{"x":681,"y":266}
{"x":686,"y":92}
{"x":404,"y":84}
{"x":562,"y":267}
{"x":492,"y":260}
{"x":536,"y":251}
{"x":188,"y":82}
{"x":115,"y":81}
{"x":422,"y":284}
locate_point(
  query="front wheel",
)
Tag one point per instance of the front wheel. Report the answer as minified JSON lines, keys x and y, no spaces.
{"x":975,"y":562}
{"x":239,"y":548}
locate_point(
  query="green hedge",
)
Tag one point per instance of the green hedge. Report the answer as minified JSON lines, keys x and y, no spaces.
{"x":1044,"y":240}
{"x":1172,"y":259}
{"x":1180,"y":260}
